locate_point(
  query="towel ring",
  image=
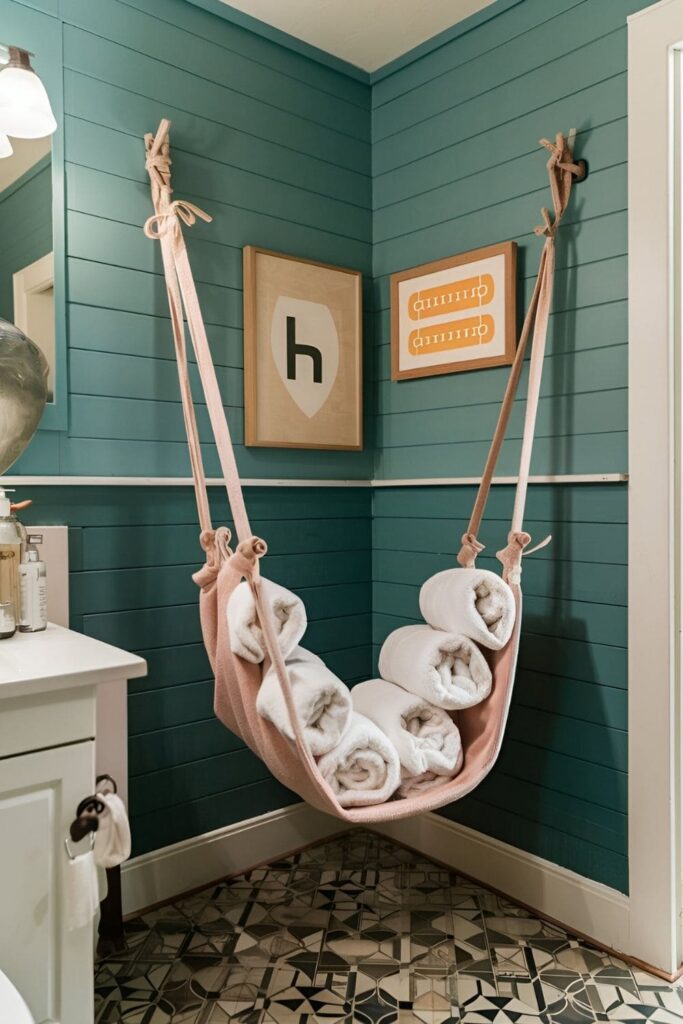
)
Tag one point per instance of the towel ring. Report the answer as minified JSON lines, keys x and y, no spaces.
{"x":69,"y":852}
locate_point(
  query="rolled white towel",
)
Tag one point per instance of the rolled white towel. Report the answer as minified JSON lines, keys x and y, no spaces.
{"x":446,"y":669}
{"x":363,"y":768}
{"x":323,"y":701}
{"x":246,"y":635}
{"x":475,"y":602}
{"x":426,"y":738}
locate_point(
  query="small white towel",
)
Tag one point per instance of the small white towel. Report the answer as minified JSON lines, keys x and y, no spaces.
{"x":323,"y":701}
{"x":426,"y":738}
{"x":363,"y":768}
{"x":413,"y":785}
{"x":446,"y":669}
{"x":475,"y":602}
{"x":246,"y":636}
{"x":81,"y":891}
{"x":112,"y":839}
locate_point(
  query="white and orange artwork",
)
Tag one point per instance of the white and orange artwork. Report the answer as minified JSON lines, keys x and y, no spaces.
{"x":455,"y":314}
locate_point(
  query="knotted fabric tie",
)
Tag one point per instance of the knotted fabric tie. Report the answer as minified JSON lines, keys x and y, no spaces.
{"x":561,"y":168}
{"x":511,"y":556}
{"x":158,"y":166}
{"x":246,"y":557}
{"x":179,"y":210}
{"x":471,"y":547}
{"x":216,"y":544}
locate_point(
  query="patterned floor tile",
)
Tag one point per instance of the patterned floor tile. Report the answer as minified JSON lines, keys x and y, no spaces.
{"x":359,"y":930}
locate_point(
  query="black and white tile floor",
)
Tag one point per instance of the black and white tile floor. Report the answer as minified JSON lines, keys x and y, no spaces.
{"x":359,"y":929}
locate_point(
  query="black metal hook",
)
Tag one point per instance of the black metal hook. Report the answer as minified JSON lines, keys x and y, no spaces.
{"x":583,"y":171}
{"x":81,"y":825}
{"x":90,"y":804}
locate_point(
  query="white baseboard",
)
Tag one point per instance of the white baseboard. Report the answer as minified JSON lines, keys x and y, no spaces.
{"x":592,"y":909}
{"x":163,"y":874}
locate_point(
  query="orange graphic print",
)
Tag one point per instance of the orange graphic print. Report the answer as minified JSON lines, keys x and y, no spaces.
{"x":473,"y":330}
{"x":452,"y":297}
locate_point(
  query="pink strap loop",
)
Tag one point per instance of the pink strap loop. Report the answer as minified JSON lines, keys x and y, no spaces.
{"x":246,"y":558}
{"x":467,"y":556}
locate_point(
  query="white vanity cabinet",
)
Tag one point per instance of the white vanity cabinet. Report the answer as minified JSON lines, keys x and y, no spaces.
{"x":48,"y":701}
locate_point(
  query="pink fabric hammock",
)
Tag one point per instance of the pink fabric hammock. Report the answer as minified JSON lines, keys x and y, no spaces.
{"x":237,"y":681}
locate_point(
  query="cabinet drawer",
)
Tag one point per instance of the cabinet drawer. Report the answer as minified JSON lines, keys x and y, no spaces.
{"x":47,"y":720}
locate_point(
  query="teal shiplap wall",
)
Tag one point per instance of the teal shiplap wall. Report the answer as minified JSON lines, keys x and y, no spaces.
{"x":132,"y":555}
{"x":456,"y":166}
{"x":274,"y":145}
{"x":25,"y":227}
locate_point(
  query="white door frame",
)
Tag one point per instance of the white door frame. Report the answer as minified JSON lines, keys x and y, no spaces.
{"x":654,"y":765}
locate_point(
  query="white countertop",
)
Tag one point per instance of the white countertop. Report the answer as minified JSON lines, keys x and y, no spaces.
{"x":36,"y":662}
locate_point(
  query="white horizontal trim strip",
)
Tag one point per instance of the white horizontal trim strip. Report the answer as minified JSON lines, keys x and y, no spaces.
{"x":451,"y":481}
{"x":166,"y":481}
{"x":186,"y":481}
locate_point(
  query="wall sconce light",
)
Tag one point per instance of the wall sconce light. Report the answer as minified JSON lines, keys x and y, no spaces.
{"x":5,"y":146}
{"x":25,"y":110}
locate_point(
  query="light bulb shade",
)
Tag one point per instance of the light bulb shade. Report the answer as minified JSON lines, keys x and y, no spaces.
{"x":5,"y":146}
{"x":25,"y":110}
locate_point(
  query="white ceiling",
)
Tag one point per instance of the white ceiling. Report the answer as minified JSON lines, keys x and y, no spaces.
{"x":367,"y":33}
{"x":27,"y":152}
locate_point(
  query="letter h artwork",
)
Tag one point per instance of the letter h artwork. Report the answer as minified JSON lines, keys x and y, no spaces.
{"x":302,"y":353}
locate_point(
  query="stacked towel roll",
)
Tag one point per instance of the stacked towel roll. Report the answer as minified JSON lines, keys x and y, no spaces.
{"x":322,"y":701}
{"x":446,"y":669}
{"x":246,"y":635}
{"x":425,"y":737}
{"x":474,"y":602}
{"x":364,"y":767}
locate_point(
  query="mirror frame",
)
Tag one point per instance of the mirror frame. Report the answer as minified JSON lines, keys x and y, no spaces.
{"x":41,"y":34}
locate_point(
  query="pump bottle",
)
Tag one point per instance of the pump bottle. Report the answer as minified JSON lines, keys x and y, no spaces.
{"x":33,"y":586}
{"x":10,"y":555}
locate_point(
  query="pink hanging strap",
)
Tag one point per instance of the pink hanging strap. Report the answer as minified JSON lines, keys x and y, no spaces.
{"x":562,"y":171}
{"x":158,"y":165}
{"x":165,"y":226}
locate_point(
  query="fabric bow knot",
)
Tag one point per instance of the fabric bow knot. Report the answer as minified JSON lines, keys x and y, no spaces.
{"x":179,"y":210}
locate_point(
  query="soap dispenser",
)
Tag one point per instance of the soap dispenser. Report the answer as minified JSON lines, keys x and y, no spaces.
{"x":33,"y":586}
{"x":10,"y":556}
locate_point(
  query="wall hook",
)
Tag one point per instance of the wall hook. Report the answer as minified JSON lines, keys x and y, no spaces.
{"x":583,"y":171}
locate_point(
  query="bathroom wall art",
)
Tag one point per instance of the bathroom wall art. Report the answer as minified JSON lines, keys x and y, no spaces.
{"x":302,"y":353}
{"x":454,"y":314}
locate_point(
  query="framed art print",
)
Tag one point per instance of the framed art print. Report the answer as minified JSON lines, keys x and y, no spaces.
{"x":302,"y":353}
{"x":454,"y":314}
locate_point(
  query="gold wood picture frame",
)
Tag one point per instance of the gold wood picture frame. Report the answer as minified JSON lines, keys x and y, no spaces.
{"x":455,"y":314}
{"x":303,"y":358}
